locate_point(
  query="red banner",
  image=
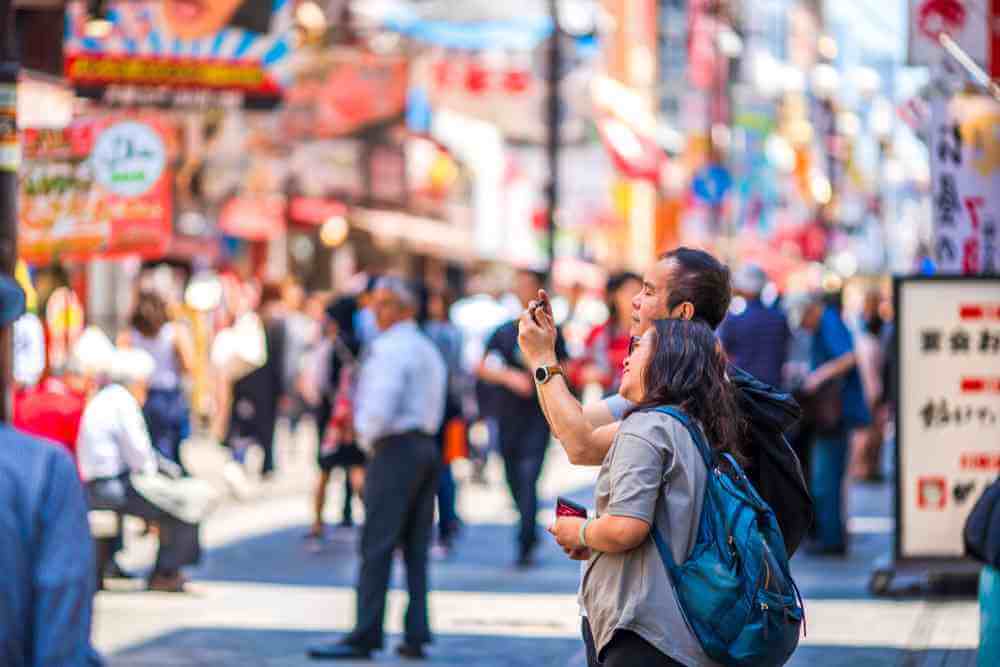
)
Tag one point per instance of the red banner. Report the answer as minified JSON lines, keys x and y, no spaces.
{"x":99,"y":188}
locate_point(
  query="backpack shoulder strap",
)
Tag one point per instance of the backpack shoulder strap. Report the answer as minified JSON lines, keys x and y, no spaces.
{"x":693,"y":430}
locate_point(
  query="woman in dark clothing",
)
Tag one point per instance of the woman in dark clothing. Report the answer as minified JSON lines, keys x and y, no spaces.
{"x":254,"y":405}
{"x":338,"y":355}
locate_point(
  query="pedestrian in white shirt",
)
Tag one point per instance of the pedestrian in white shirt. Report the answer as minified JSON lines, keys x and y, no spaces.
{"x":398,"y":409}
{"x":113,"y":445}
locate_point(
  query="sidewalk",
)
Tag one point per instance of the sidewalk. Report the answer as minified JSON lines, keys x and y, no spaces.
{"x":260,"y":597}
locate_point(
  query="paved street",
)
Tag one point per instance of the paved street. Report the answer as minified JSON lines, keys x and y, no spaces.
{"x":260,"y":596}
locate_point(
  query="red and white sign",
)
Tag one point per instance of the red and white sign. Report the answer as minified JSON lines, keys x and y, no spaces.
{"x":948,"y":413}
{"x":973,"y":24}
{"x":254,"y":218}
{"x":965,"y":170}
{"x":99,"y":188}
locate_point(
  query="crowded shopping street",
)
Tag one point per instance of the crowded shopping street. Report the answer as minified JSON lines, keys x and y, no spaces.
{"x":554,"y":333}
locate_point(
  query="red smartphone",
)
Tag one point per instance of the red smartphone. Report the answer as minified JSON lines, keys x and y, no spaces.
{"x":566,"y":507}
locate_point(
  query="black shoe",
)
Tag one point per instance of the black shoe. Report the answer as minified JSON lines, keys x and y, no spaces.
{"x":411,"y":651}
{"x":525,"y":562}
{"x":338,"y":651}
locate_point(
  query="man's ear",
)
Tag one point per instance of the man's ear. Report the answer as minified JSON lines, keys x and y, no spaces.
{"x":683,"y":311}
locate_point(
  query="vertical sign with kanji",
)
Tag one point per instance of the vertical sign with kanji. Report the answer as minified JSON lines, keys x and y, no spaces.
{"x":949,"y":408}
{"x":965,"y":168}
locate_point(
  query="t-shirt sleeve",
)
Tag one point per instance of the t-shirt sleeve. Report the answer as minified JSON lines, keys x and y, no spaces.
{"x":835,"y":335}
{"x":618,"y":405}
{"x":636,"y":477}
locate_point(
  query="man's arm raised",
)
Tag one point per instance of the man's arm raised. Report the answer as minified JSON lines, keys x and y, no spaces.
{"x":585,"y":432}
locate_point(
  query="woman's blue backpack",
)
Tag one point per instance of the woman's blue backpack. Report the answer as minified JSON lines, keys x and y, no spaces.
{"x":735,"y":589}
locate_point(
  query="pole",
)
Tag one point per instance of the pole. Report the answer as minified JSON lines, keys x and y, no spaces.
{"x":552,"y":138}
{"x":9,"y":160}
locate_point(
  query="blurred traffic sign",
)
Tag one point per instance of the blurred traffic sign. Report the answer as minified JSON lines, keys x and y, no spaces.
{"x":711,"y":184}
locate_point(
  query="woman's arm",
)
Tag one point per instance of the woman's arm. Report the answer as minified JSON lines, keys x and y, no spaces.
{"x":607,"y":534}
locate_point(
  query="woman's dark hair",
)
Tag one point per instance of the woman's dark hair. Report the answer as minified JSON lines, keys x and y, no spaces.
{"x":150,"y":313}
{"x":342,"y":312}
{"x":687,"y":368}
{"x":614,"y":284}
{"x":701,"y":279}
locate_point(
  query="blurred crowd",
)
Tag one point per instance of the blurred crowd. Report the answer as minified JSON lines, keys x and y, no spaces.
{"x":447,"y":357}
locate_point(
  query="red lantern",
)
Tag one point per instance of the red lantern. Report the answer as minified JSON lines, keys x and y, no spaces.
{"x":516,"y":81}
{"x":476,"y":78}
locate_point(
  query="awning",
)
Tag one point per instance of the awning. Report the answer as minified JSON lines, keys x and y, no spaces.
{"x":448,"y":240}
{"x":254,"y":217}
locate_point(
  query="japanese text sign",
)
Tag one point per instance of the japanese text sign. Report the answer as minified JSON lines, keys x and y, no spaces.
{"x":965,"y":159}
{"x":949,"y":408}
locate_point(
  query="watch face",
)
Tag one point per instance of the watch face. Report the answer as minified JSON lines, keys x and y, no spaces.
{"x":541,"y":374}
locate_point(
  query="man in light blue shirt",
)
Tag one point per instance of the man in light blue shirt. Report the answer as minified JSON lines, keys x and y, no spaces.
{"x":398,"y":408}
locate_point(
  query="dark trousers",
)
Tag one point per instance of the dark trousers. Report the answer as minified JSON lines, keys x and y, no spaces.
{"x":399,"y":511}
{"x":523,"y":446}
{"x":446,"y":495}
{"x":167,"y":414}
{"x":179,"y":543}
{"x":829,"y":463}
{"x":626,"y":649}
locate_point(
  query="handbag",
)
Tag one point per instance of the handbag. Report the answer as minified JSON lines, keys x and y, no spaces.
{"x":189,"y":499}
{"x":824,"y":409}
{"x":240,"y":349}
{"x":982,"y":528}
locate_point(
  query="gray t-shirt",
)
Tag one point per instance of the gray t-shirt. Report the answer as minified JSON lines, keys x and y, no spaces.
{"x":652,"y":457}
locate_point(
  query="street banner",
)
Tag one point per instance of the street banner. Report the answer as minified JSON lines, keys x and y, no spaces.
{"x":343,"y":91}
{"x":99,"y":188}
{"x":948,"y":417}
{"x":965,"y":169}
{"x":181,"y":52}
{"x":972,"y":24}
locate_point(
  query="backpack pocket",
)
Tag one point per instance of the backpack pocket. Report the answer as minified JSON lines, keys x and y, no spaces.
{"x":777,"y":618}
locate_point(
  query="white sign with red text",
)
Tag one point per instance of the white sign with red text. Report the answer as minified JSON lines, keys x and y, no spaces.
{"x":973,"y":24}
{"x":949,"y":408}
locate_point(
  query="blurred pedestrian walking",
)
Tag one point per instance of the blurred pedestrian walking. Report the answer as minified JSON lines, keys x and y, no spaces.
{"x":448,"y":339}
{"x":399,"y":408}
{"x":866,"y":442}
{"x":835,"y":404}
{"x":334,"y":367}
{"x":756,"y":337}
{"x":257,"y":395}
{"x":523,"y":432}
{"x":172,"y":350}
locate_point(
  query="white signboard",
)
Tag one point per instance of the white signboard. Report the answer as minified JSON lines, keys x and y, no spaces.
{"x":967,"y":22}
{"x":965,"y":168}
{"x":949,"y":408}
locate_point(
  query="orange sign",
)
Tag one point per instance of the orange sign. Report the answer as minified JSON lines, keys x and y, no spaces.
{"x":100,"y":188}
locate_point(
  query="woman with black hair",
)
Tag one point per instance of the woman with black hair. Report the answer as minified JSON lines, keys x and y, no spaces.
{"x":652,"y":475}
{"x":338,"y":358}
{"x":607,"y":344}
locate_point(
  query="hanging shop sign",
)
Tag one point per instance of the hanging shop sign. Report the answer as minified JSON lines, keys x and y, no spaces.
{"x":948,"y":417}
{"x":343,"y":91}
{"x":182,"y":52}
{"x":965,"y":168}
{"x":254,"y":217}
{"x":100,"y":188}
{"x":973,"y":24}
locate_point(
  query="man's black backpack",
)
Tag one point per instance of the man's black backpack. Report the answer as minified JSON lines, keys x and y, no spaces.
{"x":774,"y":468}
{"x":982,"y":528}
